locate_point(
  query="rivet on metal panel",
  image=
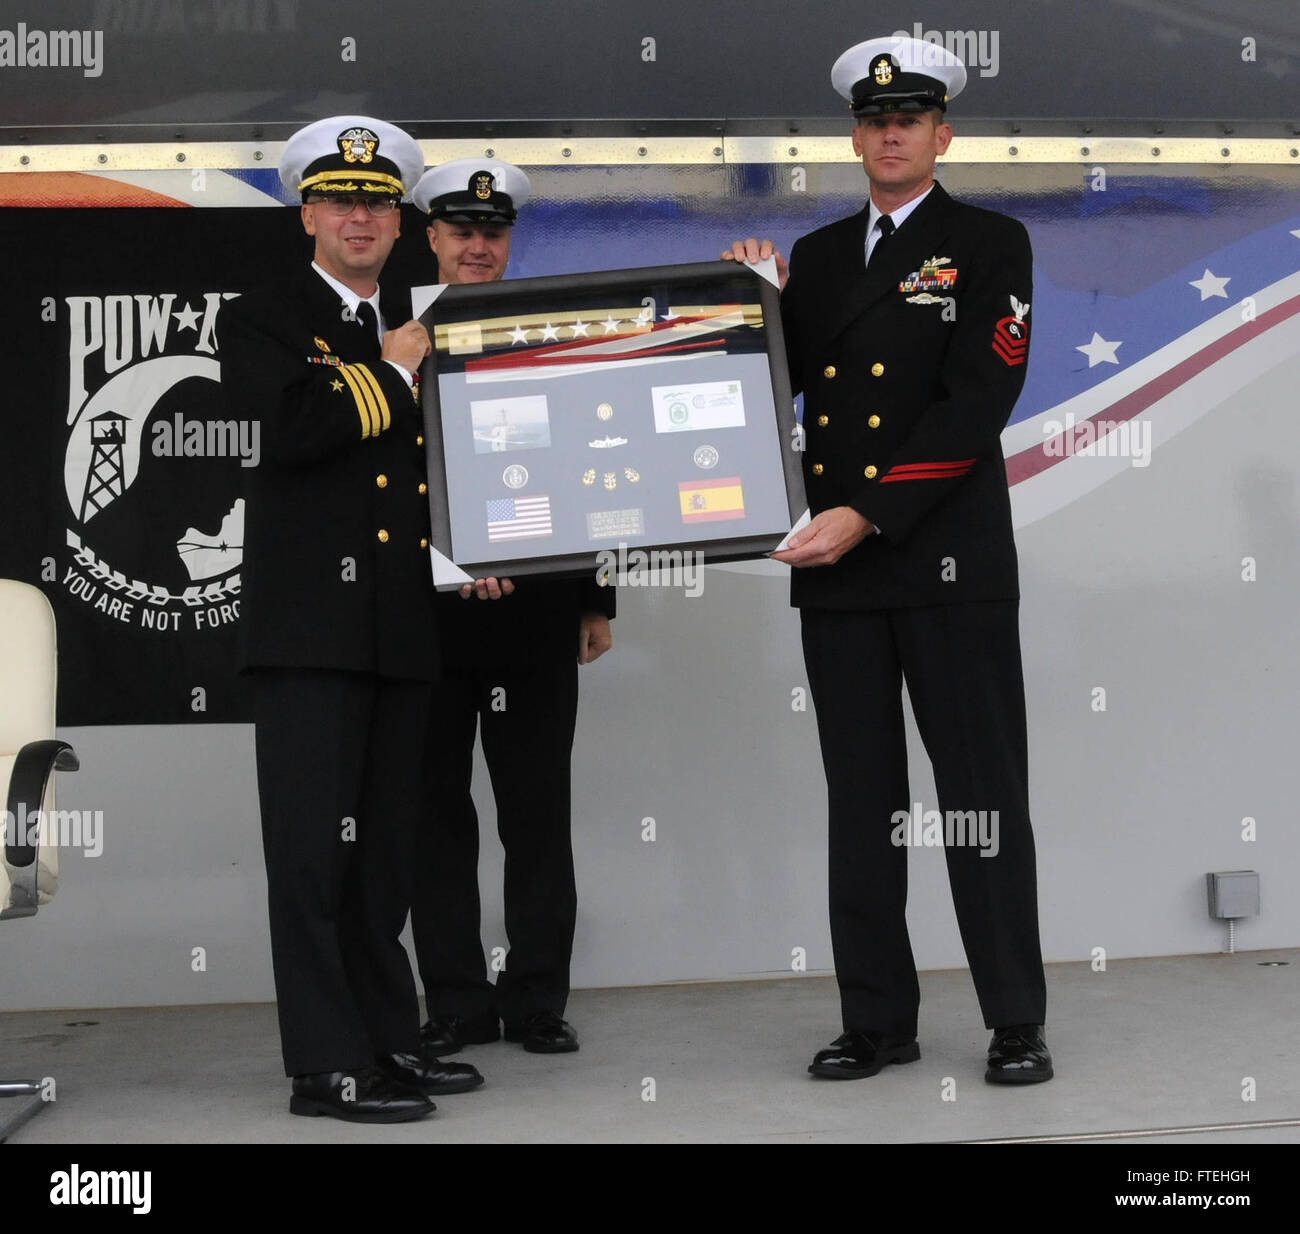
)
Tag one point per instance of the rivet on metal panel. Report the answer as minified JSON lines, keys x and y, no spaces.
{"x":1012,"y":150}
{"x":257,"y":154}
{"x":26,"y":159}
{"x":1225,"y":152}
{"x":489,"y":153}
{"x":1084,"y":151}
{"x":567,"y":152}
{"x":641,"y":151}
{"x":103,"y":158}
{"x":180,"y":156}
{"x":794,"y":150}
{"x":1155,"y":149}
{"x":717,"y":152}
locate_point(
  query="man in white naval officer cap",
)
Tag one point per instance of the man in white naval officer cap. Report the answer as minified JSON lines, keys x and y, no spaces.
{"x":472,"y":205}
{"x":530,"y":646}
{"x":906,"y":330}
{"x":338,"y":625}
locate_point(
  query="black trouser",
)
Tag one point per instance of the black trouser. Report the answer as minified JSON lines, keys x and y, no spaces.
{"x":527,"y":716}
{"x":340,"y":781}
{"x":962,"y":666}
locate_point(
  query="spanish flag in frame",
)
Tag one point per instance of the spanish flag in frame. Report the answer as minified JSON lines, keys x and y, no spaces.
{"x":711,"y":501}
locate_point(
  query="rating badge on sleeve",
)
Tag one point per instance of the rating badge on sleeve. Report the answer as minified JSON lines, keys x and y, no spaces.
{"x":1011,"y":336}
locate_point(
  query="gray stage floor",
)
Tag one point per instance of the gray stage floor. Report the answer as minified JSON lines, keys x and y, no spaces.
{"x":1160,"y":1046}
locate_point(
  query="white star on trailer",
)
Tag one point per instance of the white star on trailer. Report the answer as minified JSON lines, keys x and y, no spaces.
{"x":1099,"y":351}
{"x":1210,"y":285}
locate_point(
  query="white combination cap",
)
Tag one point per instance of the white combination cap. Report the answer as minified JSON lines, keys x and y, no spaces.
{"x":897,"y":74}
{"x":473,"y":191}
{"x":351,"y":154}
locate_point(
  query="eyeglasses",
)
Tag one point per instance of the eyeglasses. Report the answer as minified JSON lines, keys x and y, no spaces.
{"x":345,"y":203}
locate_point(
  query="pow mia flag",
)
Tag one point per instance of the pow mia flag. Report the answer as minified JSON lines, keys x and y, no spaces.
{"x":125,"y":464}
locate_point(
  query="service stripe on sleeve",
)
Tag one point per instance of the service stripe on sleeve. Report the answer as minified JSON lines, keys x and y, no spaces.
{"x":369,"y":380}
{"x":365,"y":409}
{"x":928,"y":471}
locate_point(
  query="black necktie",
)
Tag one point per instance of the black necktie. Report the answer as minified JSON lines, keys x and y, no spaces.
{"x":369,"y":325}
{"x":886,"y":225}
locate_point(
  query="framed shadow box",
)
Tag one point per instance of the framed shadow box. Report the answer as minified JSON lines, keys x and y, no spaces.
{"x":648,"y":409}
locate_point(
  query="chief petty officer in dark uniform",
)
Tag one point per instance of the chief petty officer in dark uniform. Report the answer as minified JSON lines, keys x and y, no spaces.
{"x":338,"y":626}
{"x":907,"y":331}
{"x":512,"y":670}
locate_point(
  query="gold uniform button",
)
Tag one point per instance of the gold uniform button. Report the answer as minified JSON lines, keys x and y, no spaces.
{"x":419,"y":441}
{"x":383,"y":536}
{"x":870,"y":472}
{"x":877,"y":369}
{"x":873,"y":421}
{"x":381,"y":481}
{"x":823,"y":421}
{"x":424,"y":488}
{"x":817,"y":469}
{"x":423,"y":542}
{"x":829,"y":371}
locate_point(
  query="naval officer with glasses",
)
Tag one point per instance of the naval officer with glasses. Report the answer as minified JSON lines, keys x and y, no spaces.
{"x":338,"y":630}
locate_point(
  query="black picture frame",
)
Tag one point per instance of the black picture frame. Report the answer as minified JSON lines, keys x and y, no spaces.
{"x":732,"y":324}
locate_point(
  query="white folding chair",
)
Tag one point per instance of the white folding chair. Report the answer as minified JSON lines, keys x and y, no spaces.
{"x":29,"y":756}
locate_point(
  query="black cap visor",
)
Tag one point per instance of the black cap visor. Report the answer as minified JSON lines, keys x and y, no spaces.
{"x":907,"y":92}
{"x":460,"y":208}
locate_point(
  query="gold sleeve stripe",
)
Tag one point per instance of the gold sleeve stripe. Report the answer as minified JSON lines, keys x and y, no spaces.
{"x":365,"y":409}
{"x":369,"y":380}
{"x":363,"y":403}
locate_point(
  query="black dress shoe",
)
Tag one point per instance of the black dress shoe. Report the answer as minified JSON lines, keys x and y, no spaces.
{"x":446,"y":1034}
{"x":365,"y":1095}
{"x":544,"y":1032}
{"x":1018,"y":1054}
{"x":429,"y":1075}
{"x":854,"y":1056}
